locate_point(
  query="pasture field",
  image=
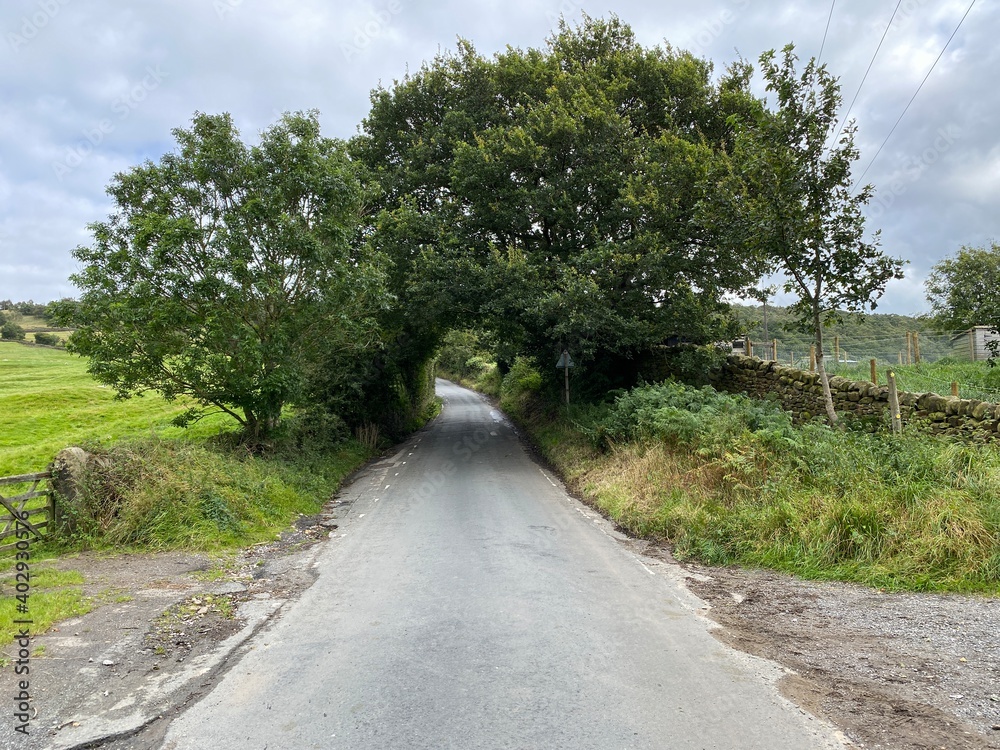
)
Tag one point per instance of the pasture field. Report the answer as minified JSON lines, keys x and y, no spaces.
{"x":975,"y":379}
{"x":48,"y":401}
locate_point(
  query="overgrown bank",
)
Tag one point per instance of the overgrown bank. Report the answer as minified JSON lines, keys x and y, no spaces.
{"x":729,"y":480}
{"x":168,"y":494}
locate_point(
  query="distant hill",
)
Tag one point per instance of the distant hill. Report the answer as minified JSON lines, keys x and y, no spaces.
{"x":877,"y":335}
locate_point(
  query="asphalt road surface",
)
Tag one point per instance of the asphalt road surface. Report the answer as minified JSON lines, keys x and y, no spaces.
{"x":468,"y":602}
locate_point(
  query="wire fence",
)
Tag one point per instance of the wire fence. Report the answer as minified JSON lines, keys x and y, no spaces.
{"x":948,"y":364}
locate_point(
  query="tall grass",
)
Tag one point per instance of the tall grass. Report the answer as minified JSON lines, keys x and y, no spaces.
{"x":158,"y":493}
{"x":726,"y":479}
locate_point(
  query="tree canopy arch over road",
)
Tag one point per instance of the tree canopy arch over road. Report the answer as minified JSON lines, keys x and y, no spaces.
{"x":582,"y":196}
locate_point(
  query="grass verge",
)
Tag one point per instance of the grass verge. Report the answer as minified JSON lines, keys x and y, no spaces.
{"x":728,"y":480}
{"x":55,"y":595}
{"x":160,"y":494}
{"x":151,"y":486}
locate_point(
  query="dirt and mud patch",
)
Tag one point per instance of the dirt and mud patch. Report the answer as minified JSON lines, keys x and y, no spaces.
{"x":895,"y":671}
{"x":156,"y":616}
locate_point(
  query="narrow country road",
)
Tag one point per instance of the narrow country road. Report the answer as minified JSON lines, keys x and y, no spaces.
{"x":467,"y":602}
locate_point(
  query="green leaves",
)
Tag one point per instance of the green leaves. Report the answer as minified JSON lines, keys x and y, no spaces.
{"x":225,"y":269}
{"x":789,"y":200}
{"x":962,"y":290}
{"x":552,"y":193}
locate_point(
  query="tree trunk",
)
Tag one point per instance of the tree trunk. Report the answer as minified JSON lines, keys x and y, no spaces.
{"x":824,"y":381}
{"x":251,"y":426}
{"x":260,"y":424}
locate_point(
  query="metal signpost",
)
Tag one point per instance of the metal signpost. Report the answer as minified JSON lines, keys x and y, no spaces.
{"x":565,"y":362}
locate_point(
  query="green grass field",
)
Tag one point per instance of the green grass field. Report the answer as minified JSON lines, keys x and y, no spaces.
{"x":975,"y":379}
{"x":48,"y":402}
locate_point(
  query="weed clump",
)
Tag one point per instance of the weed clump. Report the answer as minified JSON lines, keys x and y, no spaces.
{"x":171,"y":494}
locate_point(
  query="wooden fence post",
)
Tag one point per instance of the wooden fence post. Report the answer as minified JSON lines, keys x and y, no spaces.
{"x":874,"y":372}
{"x":774,"y":349}
{"x":954,"y":389}
{"x":894,"y":415}
{"x":812,"y":358}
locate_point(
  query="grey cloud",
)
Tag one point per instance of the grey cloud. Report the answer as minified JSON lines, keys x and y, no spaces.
{"x":73,"y":87}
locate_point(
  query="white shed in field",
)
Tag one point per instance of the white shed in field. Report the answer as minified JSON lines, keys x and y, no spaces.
{"x":978,"y":338}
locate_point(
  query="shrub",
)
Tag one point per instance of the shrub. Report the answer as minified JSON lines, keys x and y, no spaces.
{"x":694,"y":364}
{"x":457,"y":351}
{"x":520,"y":385}
{"x":730,"y":480}
{"x":700,"y":418}
{"x":476,"y":366}
{"x":47,"y":339}
{"x":314,"y":429}
{"x":12,"y":332}
{"x":164,"y":494}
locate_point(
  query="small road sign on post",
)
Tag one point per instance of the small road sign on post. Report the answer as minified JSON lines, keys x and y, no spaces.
{"x":565,"y":362}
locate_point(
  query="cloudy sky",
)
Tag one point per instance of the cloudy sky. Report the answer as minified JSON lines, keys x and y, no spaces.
{"x":91,"y":87}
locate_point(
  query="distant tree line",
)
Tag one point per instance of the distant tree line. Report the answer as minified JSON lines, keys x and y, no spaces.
{"x":12,"y":316}
{"x":593,"y":195}
{"x":31,"y":308}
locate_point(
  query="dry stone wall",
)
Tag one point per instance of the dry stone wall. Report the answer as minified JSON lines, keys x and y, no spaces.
{"x":800,"y":393}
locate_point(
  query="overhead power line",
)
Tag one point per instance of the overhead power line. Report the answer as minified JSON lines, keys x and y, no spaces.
{"x":907,"y":107}
{"x":864,"y":78}
{"x":827,"y":31}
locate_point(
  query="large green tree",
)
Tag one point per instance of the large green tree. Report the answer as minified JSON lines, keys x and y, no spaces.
{"x":227,"y":270}
{"x":787,"y":198}
{"x":964,"y":290}
{"x":548,"y":195}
